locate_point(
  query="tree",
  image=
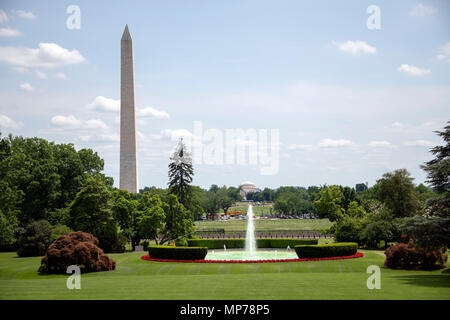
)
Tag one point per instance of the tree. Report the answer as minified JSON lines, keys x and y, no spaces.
{"x":35,"y":239}
{"x":347,"y":229}
{"x":282,"y":206}
{"x":225,"y":201}
{"x":348,"y":196}
{"x":355,"y":210}
{"x":397,"y":192}
{"x":126,"y":214}
{"x":438,"y":175}
{"x":178,"y":223}
{"x":91,"y":212}
{"x":234,"y":193}
{"x":196,"y":205}
{"x":180,"y":174}
{"x":432,"y":229}
{"x":329,"y":203}
{"x":211,"y":203}
{"x":10,"y":198}
{"x":45,"y":177}
{"x":152,"y":222}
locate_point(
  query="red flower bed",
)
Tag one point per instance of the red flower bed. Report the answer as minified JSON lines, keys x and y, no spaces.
{"x":356,"y":255}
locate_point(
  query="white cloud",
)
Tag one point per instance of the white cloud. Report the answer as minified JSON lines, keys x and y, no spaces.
{"x":24,"y":14}
{"x":70,"y":122}
{"x":420,"y":143}
{"x":177,"y":134}
{"x":152,"y":112}
{"x":413,"y":70}
{"x":355,"y":47}
{"x":397,"y":124}
{"x":7,"y":122}
{"x":19,"y":69}
{"x":60,"y":75}
{"x":305,"y":147}
{"x":3,"y":16}
{"x":48,"y":55}
{"x":108,"y":137}
{"x":9,"y":32}
{"x":101,"y":103}
{"x":380,"y":144}
{"x":26,"y":86}
{"x":444,"y":53}
{"x":331,"y":143}
{"x":420,"y":11}
{"x":41,"y":75}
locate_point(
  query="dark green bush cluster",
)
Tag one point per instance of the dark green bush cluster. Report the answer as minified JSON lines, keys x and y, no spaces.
{"x":284,"y":243}
{"x":326,"y":250}
{"x":240,"y":243}
{"x":217,"y":243}
{"x":177,"y":253}
{"x":35,"y":239}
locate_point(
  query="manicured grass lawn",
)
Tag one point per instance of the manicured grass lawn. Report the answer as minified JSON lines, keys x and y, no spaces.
{"x":264,"y":224}
{"x":138,"y":279}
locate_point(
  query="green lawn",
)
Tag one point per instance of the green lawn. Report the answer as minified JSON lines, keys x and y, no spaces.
{"x":138,"y":279}
{"x":264,"y":224}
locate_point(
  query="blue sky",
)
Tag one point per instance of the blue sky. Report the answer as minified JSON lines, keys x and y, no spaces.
{"x":349,"y":103}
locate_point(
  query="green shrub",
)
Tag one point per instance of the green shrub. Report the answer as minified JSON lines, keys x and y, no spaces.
{"x":35,"y":239}
{"x":177,"y":253}
{"x":144,"y":244}
{"x":181,"y":242}
{"x":59,"y":230}
{"x":120,"y":244}
{"x":326,"y":250}
{"x":217,"y":243}
{"x":348,"y":229}
{"x":284,"y":243}
{"x":240,"y":243}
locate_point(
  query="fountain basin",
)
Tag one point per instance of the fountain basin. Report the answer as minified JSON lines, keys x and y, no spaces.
{"x":256,"y":255}
{"x":258,"y":260}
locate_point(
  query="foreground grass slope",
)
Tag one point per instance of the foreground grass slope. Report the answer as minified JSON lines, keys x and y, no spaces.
{"x":138,"y":279}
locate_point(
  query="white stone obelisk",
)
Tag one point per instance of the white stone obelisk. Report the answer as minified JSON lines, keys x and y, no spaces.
{"x":128,"y":143}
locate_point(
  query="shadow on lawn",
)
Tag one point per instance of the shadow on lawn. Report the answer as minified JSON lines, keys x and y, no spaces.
{"x":428,"y":280}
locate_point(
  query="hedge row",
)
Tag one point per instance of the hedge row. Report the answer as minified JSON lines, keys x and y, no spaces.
{"x":177,"y":253}
{"x":326,"y":250}
{"x":240,"y":243}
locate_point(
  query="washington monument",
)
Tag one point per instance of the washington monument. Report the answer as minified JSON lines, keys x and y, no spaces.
{"x":128,"y":144}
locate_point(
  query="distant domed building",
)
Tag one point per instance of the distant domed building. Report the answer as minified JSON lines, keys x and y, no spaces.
{"x":247,"y":187}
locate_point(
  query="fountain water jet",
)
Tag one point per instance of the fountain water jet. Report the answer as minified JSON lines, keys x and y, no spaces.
{"x":250,"y":241}
{"x":250,"y":251}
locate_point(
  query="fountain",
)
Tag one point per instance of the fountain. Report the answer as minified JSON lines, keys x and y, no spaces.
{"x":250,"y":248}
{"x":250,"y":241}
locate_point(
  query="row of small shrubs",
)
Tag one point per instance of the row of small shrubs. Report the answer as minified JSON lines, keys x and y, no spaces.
{"x":240,"y":243}
{"x":177,"y":253}
{"x":326,"y":250}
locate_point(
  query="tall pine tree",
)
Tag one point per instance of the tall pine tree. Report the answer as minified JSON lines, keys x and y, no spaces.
{"x":433,"y":228}
{"x":180,"y":174}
